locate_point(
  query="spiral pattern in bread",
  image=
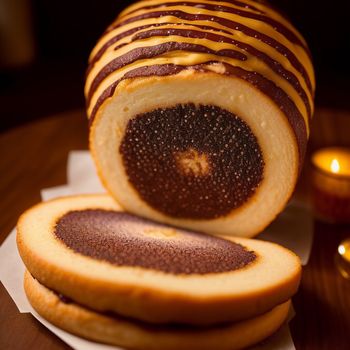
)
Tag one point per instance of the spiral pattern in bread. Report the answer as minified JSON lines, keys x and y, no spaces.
{"x":200,"y":111}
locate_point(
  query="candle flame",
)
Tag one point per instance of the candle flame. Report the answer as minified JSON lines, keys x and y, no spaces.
{"x":335,"y":166}
{"x":341,"y":249}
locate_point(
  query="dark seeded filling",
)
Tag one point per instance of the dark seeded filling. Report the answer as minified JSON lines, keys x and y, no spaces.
{"x":128,"y":240}
{"x":193,"y":162}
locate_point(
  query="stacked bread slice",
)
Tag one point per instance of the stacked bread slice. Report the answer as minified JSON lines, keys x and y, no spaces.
{"x":107,"y":275}
{"x":200,"y":112}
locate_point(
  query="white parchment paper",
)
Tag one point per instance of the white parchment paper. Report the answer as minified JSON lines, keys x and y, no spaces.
{"x":292,"y":229}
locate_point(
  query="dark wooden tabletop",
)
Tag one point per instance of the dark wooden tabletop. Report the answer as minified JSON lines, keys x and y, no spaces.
{"x":34,"y":156}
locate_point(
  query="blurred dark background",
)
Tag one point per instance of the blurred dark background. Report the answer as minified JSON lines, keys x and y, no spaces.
{"x":44,"y":46}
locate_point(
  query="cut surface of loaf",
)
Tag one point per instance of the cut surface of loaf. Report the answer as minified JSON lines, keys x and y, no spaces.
{"x":199,"y":112}
{"x":88,"y":249}
{"x":133,"y":334}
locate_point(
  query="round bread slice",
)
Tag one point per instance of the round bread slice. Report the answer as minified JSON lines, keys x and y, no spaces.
{"x":117,"y":330}
{"x":88,"y":249}
{"x":200,"y":112}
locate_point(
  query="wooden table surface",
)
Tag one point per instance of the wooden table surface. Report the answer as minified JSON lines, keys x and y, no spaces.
{"x":34,"y":157}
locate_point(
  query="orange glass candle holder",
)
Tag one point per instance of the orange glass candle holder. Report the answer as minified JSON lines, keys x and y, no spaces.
{"x":331,"y":184}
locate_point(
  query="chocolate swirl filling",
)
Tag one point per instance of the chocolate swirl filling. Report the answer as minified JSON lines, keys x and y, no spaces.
{"x":196,"y":162}
{"x":123,"y":239}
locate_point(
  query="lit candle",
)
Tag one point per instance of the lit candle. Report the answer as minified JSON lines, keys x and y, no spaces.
{"x":343,"y":258}
{"x":331,"y":184}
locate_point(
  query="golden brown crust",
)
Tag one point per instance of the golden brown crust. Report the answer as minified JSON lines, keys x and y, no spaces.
{"x":137,"y":335}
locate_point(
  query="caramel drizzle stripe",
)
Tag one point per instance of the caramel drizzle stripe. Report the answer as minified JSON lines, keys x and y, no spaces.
{"x":232,"y":25}
{"x":270,"y":62}
{"x":153,"y":51}
{"x":276,"y":94}
{"x":249,"y":6}
{"x":141,"y":72}
{"x":279,"y":27}
{"x":122,"y":35}
{"x":258,"y":5}
{"x":240,"y":4}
